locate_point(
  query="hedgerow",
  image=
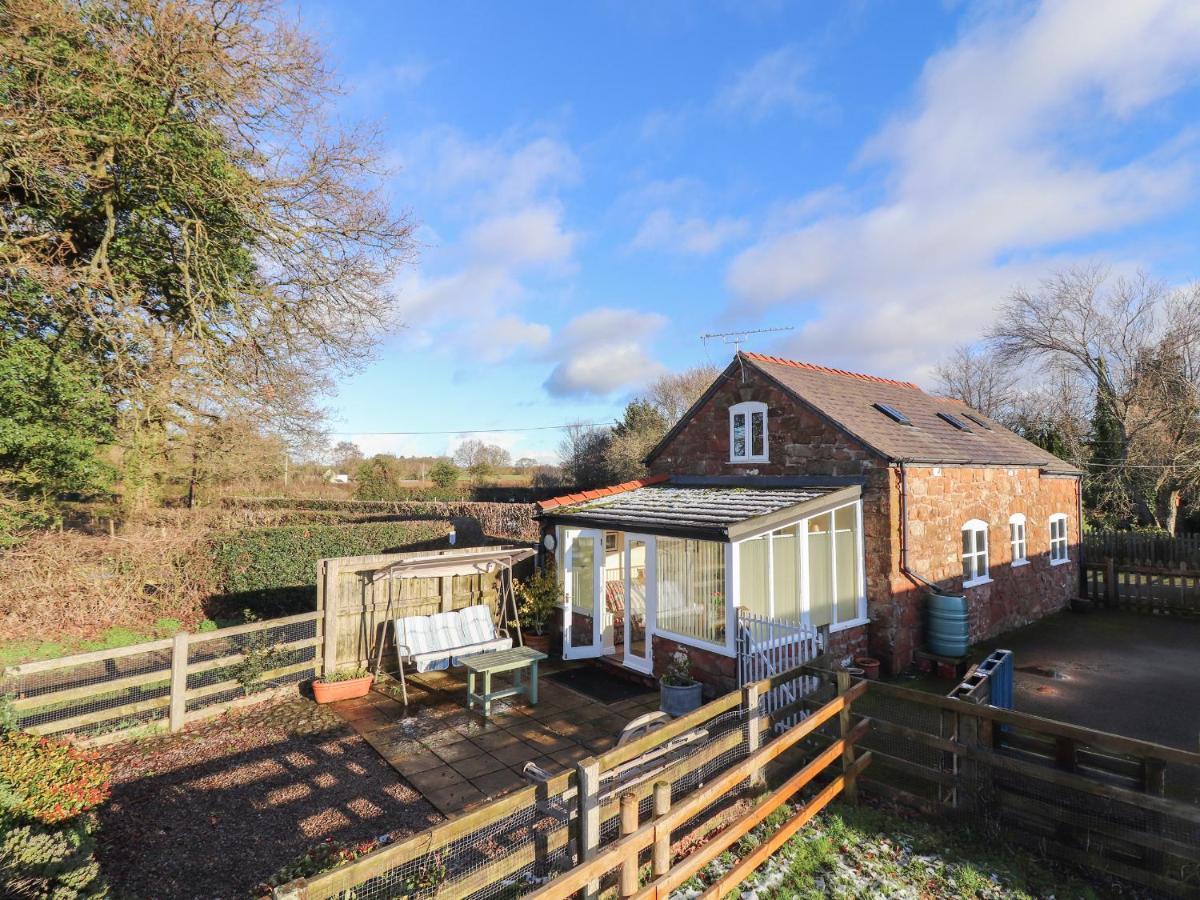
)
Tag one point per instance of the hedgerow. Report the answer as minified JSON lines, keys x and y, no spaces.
{"x":272,"y":571}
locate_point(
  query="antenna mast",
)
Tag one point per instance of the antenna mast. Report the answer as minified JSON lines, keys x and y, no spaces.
{"x":737,"y":338}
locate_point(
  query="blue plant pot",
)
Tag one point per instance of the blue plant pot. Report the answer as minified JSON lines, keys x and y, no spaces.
{"x":678,"y":701}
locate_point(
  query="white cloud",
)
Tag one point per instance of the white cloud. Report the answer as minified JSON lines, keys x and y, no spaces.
{"x":778,"y":82}
{"x":662,"y":230}
{"x":513,"y":238}
{"x":986,"y":182}
{"x":604,"y":351}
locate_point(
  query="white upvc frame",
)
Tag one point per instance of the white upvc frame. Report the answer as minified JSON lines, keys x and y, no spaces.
{"x":802,"y":548}
{"x":567,"y":537}
{"x":976,"y":527}
{"x":747,"y":409}
{"x":1018,"y":540}
{"x":729,"y":647}
{"x":1057,"y":558}
{"x":631,"y":661}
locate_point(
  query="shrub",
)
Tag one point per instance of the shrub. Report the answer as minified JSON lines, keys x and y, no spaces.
{"x":49,"y":781}
{"x":344,"y":675}
{"x":48,"y":791}
{"x":273,"y":570}
{"x":538,"y":596}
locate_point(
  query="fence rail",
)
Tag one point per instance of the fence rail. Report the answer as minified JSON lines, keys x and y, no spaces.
{"x":105,"y":695}
{"x":1115,"y":805}
{"x":1143,"y":588}
{"x":1180,"y":550}
{"x":661,"y":787}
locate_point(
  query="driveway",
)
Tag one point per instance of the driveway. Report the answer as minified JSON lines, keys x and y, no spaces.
{"x":1122,"y":672}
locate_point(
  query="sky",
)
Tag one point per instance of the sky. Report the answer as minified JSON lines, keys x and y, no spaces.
{"x":597,"y":184}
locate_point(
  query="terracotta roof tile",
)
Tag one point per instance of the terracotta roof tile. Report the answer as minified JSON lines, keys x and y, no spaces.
{"x":567,"y":499}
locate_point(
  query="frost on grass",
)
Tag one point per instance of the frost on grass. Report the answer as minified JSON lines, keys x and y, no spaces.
{"x":856,"y":853}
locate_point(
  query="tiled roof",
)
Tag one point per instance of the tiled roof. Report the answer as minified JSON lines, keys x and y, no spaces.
{"x":663,"y":506}
{"x":849,"y":400}
{"x":567,"y":499}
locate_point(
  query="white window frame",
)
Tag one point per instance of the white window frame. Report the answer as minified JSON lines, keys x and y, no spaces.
{"x":976,"y":526}
{"x":1057,"y":557}
{"x":802,"y":548}
{"x":748,"y":409}
{"x":1019,"y":545}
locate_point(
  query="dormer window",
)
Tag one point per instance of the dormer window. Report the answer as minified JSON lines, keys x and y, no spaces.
{"x":748,"y":432}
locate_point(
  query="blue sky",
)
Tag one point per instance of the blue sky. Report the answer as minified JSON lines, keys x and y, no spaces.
{"x":597,"y":184}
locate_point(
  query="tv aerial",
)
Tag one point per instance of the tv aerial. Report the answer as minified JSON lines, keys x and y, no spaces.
{"x":737,"y":338}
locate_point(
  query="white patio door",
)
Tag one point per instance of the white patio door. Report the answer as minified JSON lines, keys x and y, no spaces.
{"x":640,"y":601}
{"x":583,"y":593}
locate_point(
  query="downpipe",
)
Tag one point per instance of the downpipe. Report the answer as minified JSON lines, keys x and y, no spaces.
{"x":916,"y":578}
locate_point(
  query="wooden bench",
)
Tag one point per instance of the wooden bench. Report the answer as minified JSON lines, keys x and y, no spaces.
{"x":516,"y":660}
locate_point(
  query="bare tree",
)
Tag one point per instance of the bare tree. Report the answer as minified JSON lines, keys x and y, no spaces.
{"x":980,"y":379}
{"x":674,"y":393}
{"x":1135,"y":345}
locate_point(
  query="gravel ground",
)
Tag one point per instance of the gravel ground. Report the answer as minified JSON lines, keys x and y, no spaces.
{"x":214,"y":811}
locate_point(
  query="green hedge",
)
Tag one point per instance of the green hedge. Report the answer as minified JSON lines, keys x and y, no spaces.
{"x":272,"y":571}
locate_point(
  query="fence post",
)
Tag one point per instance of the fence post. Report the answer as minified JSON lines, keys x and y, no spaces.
{"x":662,"y":842}
{"x":446,"y":592}
{"x":1154,"y":776}
{"x":329,"y":655}
{"x":587,"y":779}
{"x":851,"y":788}
{"x":1110,"y":581}
{"x":629,"y":824}
{"x":179,"y":667}
{"x":750,"y":704}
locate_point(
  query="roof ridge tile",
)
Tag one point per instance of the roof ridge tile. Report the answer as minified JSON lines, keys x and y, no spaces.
{"x":828,"y":370}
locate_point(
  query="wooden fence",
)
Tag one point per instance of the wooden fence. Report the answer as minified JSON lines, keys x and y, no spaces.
{"x":592,"y":825}
{"x":1131,"y":547}
{"x":106,"y":695}
{"x":1142,"y":587}
{"x":355,"y":608}
{"x":1115,"y":805}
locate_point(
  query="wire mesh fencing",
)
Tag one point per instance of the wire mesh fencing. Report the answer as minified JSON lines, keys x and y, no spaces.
{"x":108,"y":694}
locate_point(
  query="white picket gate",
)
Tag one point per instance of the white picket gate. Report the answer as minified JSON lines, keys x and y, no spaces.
{"x":768,"y":646}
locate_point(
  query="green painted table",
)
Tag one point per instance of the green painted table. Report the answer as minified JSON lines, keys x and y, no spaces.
{"x":516,"y":660}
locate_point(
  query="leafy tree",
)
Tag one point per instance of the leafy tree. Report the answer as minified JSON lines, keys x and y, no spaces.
{"x":347,"y":455}
{"x":525,"y":463}
{"x":444,"y":474}
{"x":176,"y":203}
{"x":53,"y":416}
{"x":378,"y":478}
{"x":583,"y":450}
{"x":642,"y":426}
{"x":475,"y":453}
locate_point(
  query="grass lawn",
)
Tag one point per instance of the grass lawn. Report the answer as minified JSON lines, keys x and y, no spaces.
{"x":857,"y":852}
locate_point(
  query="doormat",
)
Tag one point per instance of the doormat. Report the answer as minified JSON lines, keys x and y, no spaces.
{"x":600,"y":685}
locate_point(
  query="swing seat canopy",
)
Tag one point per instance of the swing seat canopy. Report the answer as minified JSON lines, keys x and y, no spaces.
{"x":436,"y":642}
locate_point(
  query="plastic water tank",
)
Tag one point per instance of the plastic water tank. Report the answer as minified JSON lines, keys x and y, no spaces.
{"x":947,"y":630}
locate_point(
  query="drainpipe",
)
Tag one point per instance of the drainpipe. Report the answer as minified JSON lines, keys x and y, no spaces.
{"x":918,"y":580}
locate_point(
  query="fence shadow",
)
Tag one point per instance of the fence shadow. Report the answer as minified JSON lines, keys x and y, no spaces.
{"x":219,"y":813}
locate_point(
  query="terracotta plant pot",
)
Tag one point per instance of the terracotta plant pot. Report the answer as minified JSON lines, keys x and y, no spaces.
{"x":538,"y":642}
{"x":332,"y":691}
{"x":869,"y":665}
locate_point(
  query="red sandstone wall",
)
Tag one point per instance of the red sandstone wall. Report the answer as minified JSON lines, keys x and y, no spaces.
{"x":938,"y":506}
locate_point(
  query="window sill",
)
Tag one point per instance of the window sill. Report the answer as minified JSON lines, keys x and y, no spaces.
{"x":1017,"y":563}
{"x":853,"y":623}
{"x":748,"y":459}
{"x":698,"y":643}
{"x":1060,"y":562}
{"x":977,"y":582}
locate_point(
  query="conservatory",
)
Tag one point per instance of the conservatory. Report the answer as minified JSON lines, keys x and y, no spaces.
{"x":689,"y":557}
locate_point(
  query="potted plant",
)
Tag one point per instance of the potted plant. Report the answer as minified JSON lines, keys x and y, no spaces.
{"x":679,"y":692}
{"x":537,"y":597}
{"x":345,"y":684}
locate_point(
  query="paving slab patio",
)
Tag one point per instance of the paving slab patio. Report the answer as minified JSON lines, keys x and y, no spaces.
{"x":457,"y":759}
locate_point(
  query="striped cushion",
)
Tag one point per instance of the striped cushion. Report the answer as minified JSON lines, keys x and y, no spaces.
{"x":477,"y":623}
{"x":433,"y":640}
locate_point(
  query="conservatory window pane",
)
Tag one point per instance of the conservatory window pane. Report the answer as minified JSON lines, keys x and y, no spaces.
{"x":820,"y":570}
{"x":846,"y":562}
{"x":691,"y":588}
{"x":583,"y":573}
{"x":753,"y":589}
{"x":786,"y":571}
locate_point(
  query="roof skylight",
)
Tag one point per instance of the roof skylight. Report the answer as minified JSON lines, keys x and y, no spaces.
{"x":892,"y":413}
{"x":978,"y":421}
{"x":955,"y":421}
